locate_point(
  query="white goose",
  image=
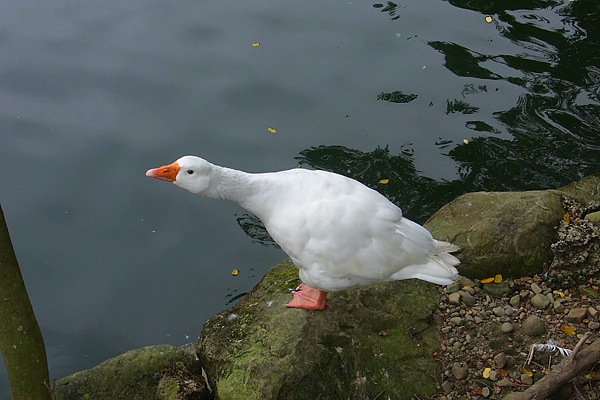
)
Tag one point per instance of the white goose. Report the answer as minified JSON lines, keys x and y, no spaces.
{"x":338,"y":232}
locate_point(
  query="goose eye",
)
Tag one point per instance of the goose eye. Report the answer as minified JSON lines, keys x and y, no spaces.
{"x":190,"y":171}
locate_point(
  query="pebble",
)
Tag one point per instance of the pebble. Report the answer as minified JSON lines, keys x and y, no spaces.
{"x":453,"y":288}
{"x":485,"y":391}
{"x":467,"y":298}
{"x":456,"y":321}
{"x":500,"y":360}
{"x":559,"y":308}
{"x":515,"y":301}
{"x":507,"y":327}
{"x":447,"y":386}
{"x":576,"y":315}
{"x":540,"y":301}
{"x":536,"y":288}
{"x":593,"y":325}
{"x":498,"y":311}
{"x":459,"y":371}
{"x":534,"y":326}
{"x":454,"y":298}
{"x":493,"y":376}
{"x":526,"y":379}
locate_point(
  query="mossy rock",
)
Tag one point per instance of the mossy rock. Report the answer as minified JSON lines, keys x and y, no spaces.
{"x":358,"y":348}
{"x":133,"y":375}
{"x":508,"y":233}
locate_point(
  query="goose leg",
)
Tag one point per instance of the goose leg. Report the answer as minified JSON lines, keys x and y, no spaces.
{"x":309,"y":298}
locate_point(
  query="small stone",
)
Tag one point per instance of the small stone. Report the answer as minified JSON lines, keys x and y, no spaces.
{"x":540,"y":301}
{"x":493,"y":376}
{"x":496,"y":289}
{"x":453,"y":288}
{"x":447,"y":386}
{"x":593,"y":325}
{"x":526,"y":379}
{"x":478,"y":320}
{"x":515,"y":301}
{"x":498,"y":311}
{"x":550,"y":297}
{"x":507,"y":327}
{"x":593,"y":312}
{"x":456,"y":321}
{"x":500,"y":360}
{"x":536,"y":288}
{"x":534,"y":326}
{"x":454,"y":298}
{"x":468,"y":289}
{"x":485,"y":391}
{"x":464,"y":281}
{"x":576,"y":315}
{"x":459,"y":371}
{"x":558,"y":307}
{"x":467,"y":298}
{"x":504,"y":382}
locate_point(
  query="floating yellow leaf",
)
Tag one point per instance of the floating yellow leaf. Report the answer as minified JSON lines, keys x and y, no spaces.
{"x":235,"y":272}
{"x":558,"y":292}
{"x":486,"y":373}
{"x":524,"y":371}
{"x":488,"y":19}
{"x":271,"y":130}
{"x":591,"y":375}
{"x":384,"y":181}
{"x":498,"y":278}
{"x":487,"y":280}
{"x":465,"y":141}
{"x":567,"y":329}
{"x":567,"y":218}
{"x":255,"y":44}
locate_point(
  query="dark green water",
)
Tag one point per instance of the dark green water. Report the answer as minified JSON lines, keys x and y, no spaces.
{"x":95,"y":93}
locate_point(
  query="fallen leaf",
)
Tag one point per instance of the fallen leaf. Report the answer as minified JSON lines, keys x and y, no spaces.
{"x":487,"y":280}
{"x":271,"y":130}
{"x":567,"y":218}
{"x":486,"y":373}
{"x":502,"y":372}
{"x":255,"y":44}
{"x":384,"y":181}
{"x":526,"y":372}
{"x":465,"y":141}
{"x":591,"y":375}
{"x":498,"y":278}
{"x":558,"y":292}
{"x":383,"y":333}
{"x":488,"y":19}
{"x":476,"y":391}
{"x":398,"y":34}
{"x":235,"y":272}
{"x":567,"y":329}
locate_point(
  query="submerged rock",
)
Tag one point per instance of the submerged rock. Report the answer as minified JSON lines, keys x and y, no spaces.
{"x":372,"y":339}
{"x":508,"y":233}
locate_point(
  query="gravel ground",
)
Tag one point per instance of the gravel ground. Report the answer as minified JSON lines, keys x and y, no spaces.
{"x":488,"y":331}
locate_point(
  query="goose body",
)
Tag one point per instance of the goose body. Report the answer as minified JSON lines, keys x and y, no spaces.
{"x":337,"y":231}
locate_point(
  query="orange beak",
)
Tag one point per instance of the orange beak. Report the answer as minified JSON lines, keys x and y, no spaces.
{"x":165,"y":173}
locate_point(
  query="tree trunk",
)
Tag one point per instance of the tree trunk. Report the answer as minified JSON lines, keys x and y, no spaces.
{"x":21,"y":340}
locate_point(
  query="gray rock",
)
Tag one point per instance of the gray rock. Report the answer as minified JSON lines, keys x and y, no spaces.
{"x":485,"y":391}
{"x":534,"y":326}
{"x":447,"y":386}
{"x":526,"y":379}
{"x":498,"y":311}
{"x":454,"y":298}
{"x":500,"y":360}
{"x":467,"y":298}
{"x":576,"y":315}
{"x":536,"y":288}
{"x":540,"y":301}
{"x":504,"y":382}
{"x":507,"y":327}
{"x":456,"y":321}
{"x":493,"y":376}
{"x":496,"y":289}
{"x":593,"y":325}
{"x":459,"y":371}
{"x":559,"y":307}
{"x":453,"y":287}
{"x":515,"y":301}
